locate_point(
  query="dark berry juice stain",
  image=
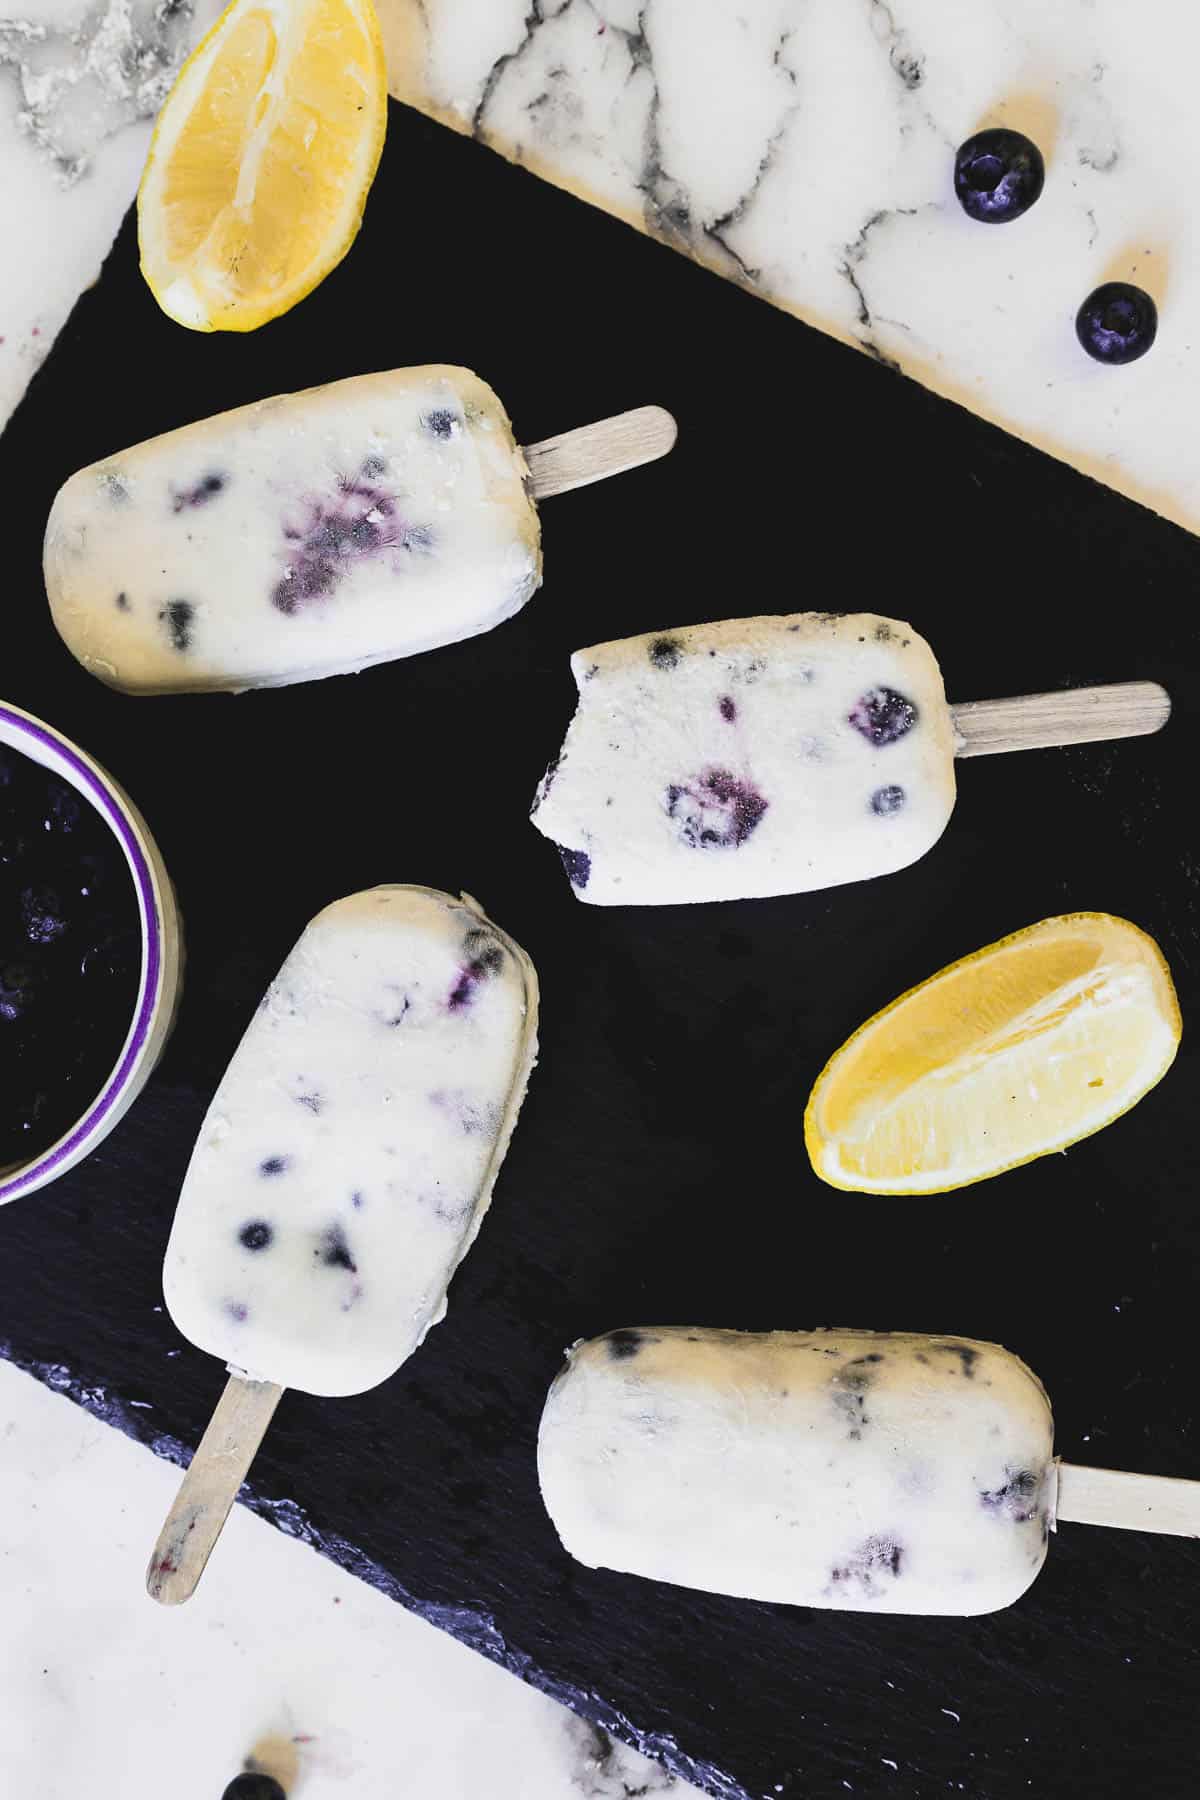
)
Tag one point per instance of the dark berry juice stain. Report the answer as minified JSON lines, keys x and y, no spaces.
{"x":622,"y":1345}
{"x":882,"y":715}
{"x":665,"y":652}
{"x":255,"y":1234}
{"x":122,"y":602}
{"x":179,"y":616}
{"x":967,"y":1355}
{"x":204,"y":491}
{"x":70,"y":955}
{"x":484,"y":958}
{"x":238,"y":1312}
{"x":359,"y":523}
{"x":1017,"y":1499}
{"x":273,"y":1165}
{"x":867,"y":1567}
{"x":578,"y":865}
{"x":849,"y":1385}
{"x":727,"y":706}
{"x":333,"y":1250}
{"x":546,"y":785}
{"x":887,"y":801}
{"x":715,"y":811}
{"x":311,"y":1102}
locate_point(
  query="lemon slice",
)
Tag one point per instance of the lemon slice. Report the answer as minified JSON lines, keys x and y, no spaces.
{"x":1021,"y":1049}
{"x":261,"y":160}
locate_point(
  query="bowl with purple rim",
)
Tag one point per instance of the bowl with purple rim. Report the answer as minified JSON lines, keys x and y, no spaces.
{"x":161,"y":953}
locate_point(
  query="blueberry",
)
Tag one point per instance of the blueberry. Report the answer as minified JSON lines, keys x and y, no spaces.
{"x":715,"y":810}
{"x":18,"y":984}
{"x":887,"y":800}
{"x":256,"y":1234}
{"x":206,"y":489}
{"x":254,"y":1786}
{"x":882,"y":715}
{"x":441,"y":422}
{"x":334,"y":1251}
{"x":1117,"y":323}
{"x":998,"y":175}
{"x":622,"y":1345}
{"x":665,"y":652}
{"x":727,"y":707}
{"x":273,"y":1165}
{"x":178,"y":617}
{"x":578,"y":865}
{"x":43,"y":915}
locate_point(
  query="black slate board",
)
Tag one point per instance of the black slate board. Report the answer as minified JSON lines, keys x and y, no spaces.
{"x":658,"y":1175}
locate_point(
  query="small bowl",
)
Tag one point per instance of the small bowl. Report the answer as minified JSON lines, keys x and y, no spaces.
{"x":162,"y":950}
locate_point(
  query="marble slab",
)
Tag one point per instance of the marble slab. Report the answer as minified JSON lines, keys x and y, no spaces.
{"x":79,"y":88}
{"x":804,"y":149}
{"x":281,"y":1655}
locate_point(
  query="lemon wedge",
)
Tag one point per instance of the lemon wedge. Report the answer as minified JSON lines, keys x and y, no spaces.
{"x":262,"y":159}
{"x":1014,"y":1052}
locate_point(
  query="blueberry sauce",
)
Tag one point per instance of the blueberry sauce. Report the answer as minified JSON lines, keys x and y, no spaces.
{"x":715,"y":811}
{"x":484,"y":958}
{"x":70,"y":955}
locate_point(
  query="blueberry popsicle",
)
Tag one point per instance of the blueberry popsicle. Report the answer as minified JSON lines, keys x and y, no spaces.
{"x":316,"y":533}
{"x":343,"y":1169}
{"x":863,"y":1471}
{"x":777,"y":755}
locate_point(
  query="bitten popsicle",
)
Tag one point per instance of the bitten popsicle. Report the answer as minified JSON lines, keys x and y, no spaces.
{"x":776,"y":755}
{"x":864,"y":1471}
{"x":316,"y":533}
{"x":342,"y":1172}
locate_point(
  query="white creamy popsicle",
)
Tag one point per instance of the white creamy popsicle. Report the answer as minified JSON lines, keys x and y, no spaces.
{"x":776,"y":755}
{"x":342,"y":1171}
{"x":348,"y":1155}
{"x":849,"y":1469}
{"x":313,"y":534}
{"x":863,"y":1471}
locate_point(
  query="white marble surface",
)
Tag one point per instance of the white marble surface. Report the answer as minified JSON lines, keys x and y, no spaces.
{"x":79,"y":87}
{"x":805,"y":148}
{"x":103,"y":1693}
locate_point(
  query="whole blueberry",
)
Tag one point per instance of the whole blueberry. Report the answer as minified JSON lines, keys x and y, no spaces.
{"x":254,"y":1787}
{"x":998,"y":175}
{"x":1117,"y":323}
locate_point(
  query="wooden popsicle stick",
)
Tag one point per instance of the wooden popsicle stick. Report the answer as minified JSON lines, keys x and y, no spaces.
{"x":593,"y":452}
{"x":1074,"y":716}
{"x":210,"y":1488}
{"x":1130,"y":1502}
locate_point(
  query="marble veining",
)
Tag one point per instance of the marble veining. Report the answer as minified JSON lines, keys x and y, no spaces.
{"x":804,"y":149}
{"x":78,"y":83}
{"x":79,"y":87}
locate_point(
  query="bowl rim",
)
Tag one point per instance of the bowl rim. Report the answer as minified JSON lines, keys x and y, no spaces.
{"x":108,"y":799}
